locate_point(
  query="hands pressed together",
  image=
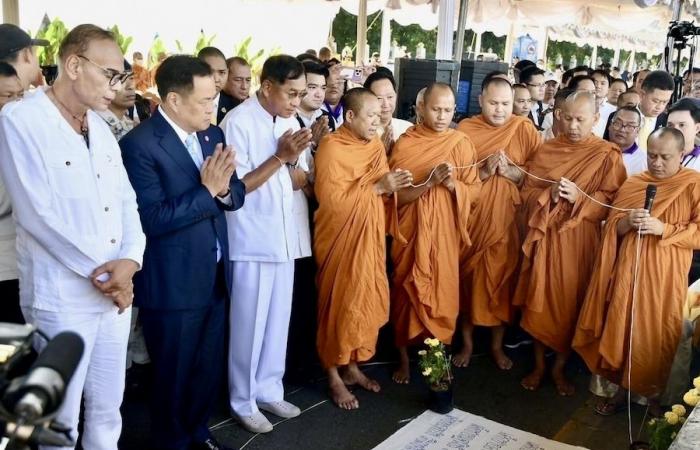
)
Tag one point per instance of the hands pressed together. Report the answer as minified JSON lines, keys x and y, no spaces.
{"x":217,"y":170}
{"x":394,"y":181}
{"x":498,"y":164}
{"x":114,"y":280}
{"x":291,"y":144}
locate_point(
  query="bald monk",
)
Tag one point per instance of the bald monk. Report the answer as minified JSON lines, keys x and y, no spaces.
{"x":354,"y":188}
{"x":433,"y":219}
{"x":489,"y":265}
{"x":669,"y":234}
{"x":563,"y":231}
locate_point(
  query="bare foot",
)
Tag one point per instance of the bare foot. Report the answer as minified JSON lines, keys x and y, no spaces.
{"x":501,"y":359}
{"x":353,"y":375}
{"x":564,"y":387}
{"x":402,"y":375}
{"x":343,"y":397}
{"x":462,"y":358}
{"x":532,"y":382}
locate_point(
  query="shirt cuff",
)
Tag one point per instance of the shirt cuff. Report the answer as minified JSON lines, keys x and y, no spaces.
{"x":226,"y":199}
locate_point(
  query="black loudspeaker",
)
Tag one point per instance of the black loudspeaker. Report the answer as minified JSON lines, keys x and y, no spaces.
{"x":412,"y":75}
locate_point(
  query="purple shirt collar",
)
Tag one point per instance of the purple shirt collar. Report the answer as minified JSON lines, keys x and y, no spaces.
{"x":633,"y":148}
{"x":695,"y":152}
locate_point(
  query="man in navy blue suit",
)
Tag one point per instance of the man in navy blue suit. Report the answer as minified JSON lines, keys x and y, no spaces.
{"x":184,"y":177}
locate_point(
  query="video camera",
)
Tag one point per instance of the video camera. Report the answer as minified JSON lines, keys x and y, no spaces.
{"x":682,"y":30}
{"x":32,"y":389}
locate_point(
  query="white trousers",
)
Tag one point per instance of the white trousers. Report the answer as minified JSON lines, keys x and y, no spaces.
{"x":100,"y":374}
{"x":261,"y":303}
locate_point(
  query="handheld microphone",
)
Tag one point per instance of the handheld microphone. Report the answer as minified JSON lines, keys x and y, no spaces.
{"x":41,"y":392}
{"x":649,"y":200}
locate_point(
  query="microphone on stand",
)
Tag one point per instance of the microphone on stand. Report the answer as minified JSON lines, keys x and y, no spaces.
{"x":649,"y":200}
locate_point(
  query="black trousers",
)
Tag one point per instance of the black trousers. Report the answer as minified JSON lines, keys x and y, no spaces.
{"x":9,"y":297}
{"x":187,"y":349}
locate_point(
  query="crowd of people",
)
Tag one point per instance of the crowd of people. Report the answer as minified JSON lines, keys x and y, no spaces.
{"x":224,"y":215}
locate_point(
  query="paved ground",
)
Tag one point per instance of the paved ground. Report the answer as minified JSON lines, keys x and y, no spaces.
{"x":481,"y":389}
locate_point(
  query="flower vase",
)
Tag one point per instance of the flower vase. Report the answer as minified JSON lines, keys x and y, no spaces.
{"x":441,"y":401}
{"x":639,"y":445}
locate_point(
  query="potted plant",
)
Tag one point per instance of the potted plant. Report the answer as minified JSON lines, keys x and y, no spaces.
{"x":54,"y":32}
{"x":435,"y":366}
{"x":663,"y":431}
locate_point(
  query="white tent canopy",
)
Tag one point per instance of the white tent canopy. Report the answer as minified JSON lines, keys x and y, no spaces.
{"x":294,"y":25}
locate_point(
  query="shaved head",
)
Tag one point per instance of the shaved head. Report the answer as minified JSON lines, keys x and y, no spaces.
{"x":577,"y":116}
{"x":438,"y":107}
{"x":438,"y":88}
{"x":673,"y":137}
{"x":355,"y":98}
{"x":496,"y":101}
{"x":495,"y":81}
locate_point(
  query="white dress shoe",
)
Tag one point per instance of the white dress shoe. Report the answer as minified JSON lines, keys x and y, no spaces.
{"x":281,"y":409}
{"x":257,"y":423}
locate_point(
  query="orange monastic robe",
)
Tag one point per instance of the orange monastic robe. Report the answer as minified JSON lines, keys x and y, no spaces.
{"x":603,"y":331}
{"x":350,"y":247}
{"x":561,"y":241}
{"x":489,"y":266}
{"x":425,"y":298}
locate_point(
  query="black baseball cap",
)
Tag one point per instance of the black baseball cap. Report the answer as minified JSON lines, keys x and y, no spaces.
{"x":14,"y":39}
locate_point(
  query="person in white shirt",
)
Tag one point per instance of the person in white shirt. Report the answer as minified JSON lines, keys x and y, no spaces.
{"x":301,"y":353}
{"x":79,"y":238}
{"x":684,"y":115}
{"x":617,"y":86}
{"x":623,"y":131}
{"x":541,"y":114}
{"x":264,"y":240}
{"x":601,"y":81}
{"x":10,"y":90}
{"x":382,"y":84}
{"x":335,"y":89}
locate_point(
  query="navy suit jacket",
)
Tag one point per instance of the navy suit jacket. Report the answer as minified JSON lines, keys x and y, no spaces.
{"x":226,"y":104}
{"x":180,"y":218}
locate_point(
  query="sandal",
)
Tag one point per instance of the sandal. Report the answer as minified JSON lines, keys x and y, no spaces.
{"x":608,"y":407}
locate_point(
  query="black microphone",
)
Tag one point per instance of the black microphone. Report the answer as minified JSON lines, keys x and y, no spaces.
{"x":53,"y":434}
{"x":649,"y":200}
{"x":41,"y":392}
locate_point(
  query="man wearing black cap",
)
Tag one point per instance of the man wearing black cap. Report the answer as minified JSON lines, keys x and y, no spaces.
{"x":17,"y":48}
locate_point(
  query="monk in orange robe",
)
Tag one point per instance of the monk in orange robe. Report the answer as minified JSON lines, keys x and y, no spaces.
{"x":489,"y":265}
{"x":352,"y":184}
{"x":433,"y":218}
{"x":563,"y":232}
{"x":654,"y":313}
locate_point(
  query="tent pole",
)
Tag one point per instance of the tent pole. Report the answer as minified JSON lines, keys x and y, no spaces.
{"x":360,"y":50}
{"x":461,"y":28}
{"x":446,"y":28}
{"x":10,"y":11}
{"x":385,"y":42}
{"x":510,"y":40}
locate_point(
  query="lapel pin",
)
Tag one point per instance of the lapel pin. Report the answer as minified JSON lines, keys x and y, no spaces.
{"x":206,"y":138}
{"x":223,"y":109}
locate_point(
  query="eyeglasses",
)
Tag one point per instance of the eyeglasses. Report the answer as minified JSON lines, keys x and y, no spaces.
{"x":111,"y":74}
{"x":540,"y":85}
{"x":628,"y":127}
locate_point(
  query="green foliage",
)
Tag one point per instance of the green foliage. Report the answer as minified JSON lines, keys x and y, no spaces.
{"x":435,"y":365}
{"x":662,"y":433}
{"x":54,"y":33}
{"x":123,"y":41}
{"x":157,"y":49}
{"x":255,"y":59}
{"x":567,"y":50}
{"x":203,"y":41}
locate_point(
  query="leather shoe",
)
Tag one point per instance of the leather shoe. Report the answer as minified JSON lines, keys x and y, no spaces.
{"x":209,"y":444}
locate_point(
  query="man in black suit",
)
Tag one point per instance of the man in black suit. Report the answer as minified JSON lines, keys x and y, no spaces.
{"x":184,"y":178}
{"x":239,"y":79}
{"x":223,"y":103}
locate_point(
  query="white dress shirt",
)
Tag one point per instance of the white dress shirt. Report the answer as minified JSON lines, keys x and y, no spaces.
{"x":605,"y":110}
{"x":399,"y":127}
{"x":8,"y":255}
{"x":635,"y":160}
{"x":74,"y":206}
{"x":548,"y":118}
{"x":272,"y":225}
